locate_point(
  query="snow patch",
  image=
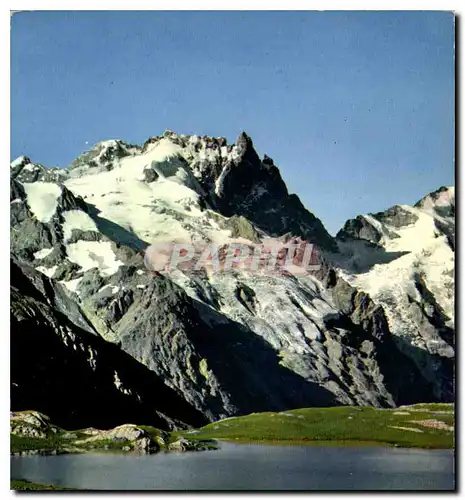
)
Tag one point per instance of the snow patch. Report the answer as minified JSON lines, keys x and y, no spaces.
{"x":42,"y":198}
{"x":47,"y":271}
{"x":162,"y":150}
{"x":76,"y":219}
{"x":72,"y":285}
{"x":18,"y":161}
{"x":41,"y":254}
{"x":90,"y":254}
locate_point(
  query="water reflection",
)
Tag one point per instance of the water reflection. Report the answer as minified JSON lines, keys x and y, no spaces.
{"x":247,"y":467}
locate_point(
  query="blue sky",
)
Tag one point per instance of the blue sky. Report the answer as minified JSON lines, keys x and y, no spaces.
{"x":356,"y":108}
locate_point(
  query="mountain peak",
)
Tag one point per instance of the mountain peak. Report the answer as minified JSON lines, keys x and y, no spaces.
{"x":231,"y":179}
{"x":442,"y":201}
{"x":243,"y":140}
{"x":104,"y":154}
{"x":21,"y":161}
{"x":82,"y":236}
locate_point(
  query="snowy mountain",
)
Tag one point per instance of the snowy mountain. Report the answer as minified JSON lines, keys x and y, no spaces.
{"x":404,"y":259}
{"x":372,"y":326}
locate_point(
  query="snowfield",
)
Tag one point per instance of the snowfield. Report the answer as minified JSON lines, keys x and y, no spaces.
{"x":153,"y":210}
{"x":77,"y":219}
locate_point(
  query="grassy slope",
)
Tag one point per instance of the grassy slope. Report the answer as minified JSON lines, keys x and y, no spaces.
{"x":56,"y":443}
{"x":21,"y":485}
{"x":339,"y":425}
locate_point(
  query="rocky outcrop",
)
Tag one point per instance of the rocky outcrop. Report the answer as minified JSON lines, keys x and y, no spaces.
{"x":23,"y":170}
{"x":397,"y":217}
{"x":241,"y":228}
{"x":133,"y":437}
{"x":103,"y":155}
{"x":48,"y":438}
{"x":363,"y":228}
{"x":31,"y":424}
{"x":182,"y":444}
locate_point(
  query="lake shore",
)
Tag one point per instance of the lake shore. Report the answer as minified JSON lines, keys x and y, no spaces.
{"x":425,"y":426}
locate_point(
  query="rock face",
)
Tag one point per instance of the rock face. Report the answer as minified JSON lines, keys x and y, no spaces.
{"x":404,"y":259}
{"x":254,"y":189}
{"x":364,"y":229}
{"x":186,"y":346}
{"x":71,"y":373}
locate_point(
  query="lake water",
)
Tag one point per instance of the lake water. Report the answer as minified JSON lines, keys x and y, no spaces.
{"x":247,"y":467}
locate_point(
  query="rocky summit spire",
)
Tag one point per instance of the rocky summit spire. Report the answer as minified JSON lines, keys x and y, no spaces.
{"x":244,"y":141}
{"x":245,"y":149}
{"x":254,"y":188}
